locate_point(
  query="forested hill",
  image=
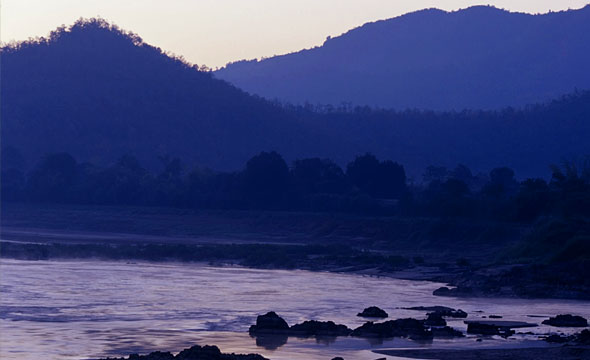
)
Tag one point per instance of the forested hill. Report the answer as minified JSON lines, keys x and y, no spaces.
{"x":479,"y":58}
{"x":97,"y":92}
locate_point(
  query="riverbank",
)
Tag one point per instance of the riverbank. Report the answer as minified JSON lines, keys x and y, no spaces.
{"x":471,"y":258}
{"x":540,"y":353}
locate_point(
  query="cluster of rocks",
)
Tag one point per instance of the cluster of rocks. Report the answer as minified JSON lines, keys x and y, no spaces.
{"x":373,"y":312}
{"x":433,"y":326}
{"x":443,"y":311}
{"x":194,"y":353}
{"x":566,"y":321}
{"x":581,"y":338}
{"x":271,"y":323}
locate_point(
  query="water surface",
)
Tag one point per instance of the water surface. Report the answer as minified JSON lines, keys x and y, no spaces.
{"x":89,"y":309}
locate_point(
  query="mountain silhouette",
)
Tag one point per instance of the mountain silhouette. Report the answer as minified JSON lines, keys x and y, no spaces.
{"x":479,"y":58}
{"x":98,"y":92}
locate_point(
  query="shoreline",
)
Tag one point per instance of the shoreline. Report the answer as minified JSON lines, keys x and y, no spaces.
{"x":563,"y":352}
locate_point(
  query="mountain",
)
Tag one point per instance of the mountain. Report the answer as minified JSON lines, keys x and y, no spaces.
{"x":479,"y":58}
{"x":99,"y":92}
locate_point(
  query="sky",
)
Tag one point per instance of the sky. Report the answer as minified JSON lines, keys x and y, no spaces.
{"x":215,"y":32}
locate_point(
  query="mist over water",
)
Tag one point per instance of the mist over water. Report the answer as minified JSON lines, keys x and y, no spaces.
{"x":76,"y":310}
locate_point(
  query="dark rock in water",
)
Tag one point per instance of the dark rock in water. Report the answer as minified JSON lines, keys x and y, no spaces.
{"x":337,"y":358}
{"x":435,"y":319}
{"x":446,"y":332}
{"x":269,"y":323}
{"x":583,"y":337}
{"x":411,"y":328}
{"x":374,"y":312}
{"x":566,"y":321}
{"x":442,"y":310}
{"x":194,"y":353}
{"x":488,"y":329}
{"x":558,"y":339}
{"x":319,"y":328}
{"x":495,"y":317}
{"x":442,"y":291}
{"x":213,"y":353}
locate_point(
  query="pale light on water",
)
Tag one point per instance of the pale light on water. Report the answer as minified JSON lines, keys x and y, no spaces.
{"x":89,"y":309}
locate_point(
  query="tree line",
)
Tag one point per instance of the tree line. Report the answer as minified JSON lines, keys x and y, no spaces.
{"x":366,"y":185}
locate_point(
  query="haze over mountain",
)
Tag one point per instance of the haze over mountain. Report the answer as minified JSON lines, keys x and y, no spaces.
{"x":97,"y":92}
{"x":478,"y":58}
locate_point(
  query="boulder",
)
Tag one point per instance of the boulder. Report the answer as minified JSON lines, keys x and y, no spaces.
{"x":319,"y":328}
{"x":442,"y":310}
{"x":446,"y":332}
{"x":194,"y":353}
{"x":566,"y":321}
{"x":583,"y":337}
{"x":269,"y":323}
{"x":488,"y":329}
{"x":410,"y":328}
{"x":373,"y":312}
{"x":435,"y":319}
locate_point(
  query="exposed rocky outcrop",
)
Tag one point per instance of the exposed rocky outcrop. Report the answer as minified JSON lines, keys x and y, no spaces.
{"x":435,"y":319}
{"x":194,"y":353}
{"x":269,"y":323}
{"x":495,"y":327}
{"x":442,"y":310}
{"x":272,"y":324}
{"x":581,"y":338}
{"x":566,"y":321}
{"x":411,"y":328}
{"x":319,"y":328}
{"x":446,"y":332}
{"x":488,"y":329}
{"x":373,"y":312}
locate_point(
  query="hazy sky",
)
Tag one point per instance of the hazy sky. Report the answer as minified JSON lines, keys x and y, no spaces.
{"x":214,"y":32}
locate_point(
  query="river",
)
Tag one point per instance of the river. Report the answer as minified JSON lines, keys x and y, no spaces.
{"x":90,"y":309}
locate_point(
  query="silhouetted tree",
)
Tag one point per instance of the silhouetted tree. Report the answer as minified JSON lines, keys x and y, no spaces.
{"x":317,"y":175}
{"x":266,"y":179}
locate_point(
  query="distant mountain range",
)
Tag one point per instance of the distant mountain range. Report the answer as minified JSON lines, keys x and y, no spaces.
{"x":479,"y":58}
{"x":98,"y":92}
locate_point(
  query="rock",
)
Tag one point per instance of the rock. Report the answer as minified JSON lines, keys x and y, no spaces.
{"x":269,"y":323}
{"x":495,"y":317}
{"x":442,"y":310}
{"x":442,"y":291}
{"x":194,"y":353}
{"x":446,"y":332}
{"x":488,"y":329}
{"x":212,"y":353}
{"x":319,"y":328}
{"x":373,"y":312}
{"x":435,"y":319}
{"x":566,"y":321}
{"x":558,"y":339}
{"x":411,"y":328}
{"x":337,"y":358}
{"x":583,"y":337}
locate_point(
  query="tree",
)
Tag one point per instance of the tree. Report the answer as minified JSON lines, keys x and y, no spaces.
{"x":317,"y":175}
{"x":266,"y":179}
